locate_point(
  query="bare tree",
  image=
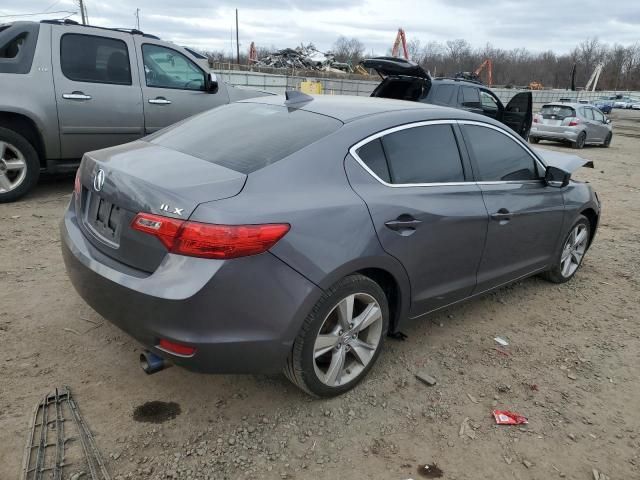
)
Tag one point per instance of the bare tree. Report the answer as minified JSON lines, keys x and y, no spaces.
{"x":348,"y":50}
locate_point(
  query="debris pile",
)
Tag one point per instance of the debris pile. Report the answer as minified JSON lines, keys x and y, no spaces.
{"x":305,"y":58}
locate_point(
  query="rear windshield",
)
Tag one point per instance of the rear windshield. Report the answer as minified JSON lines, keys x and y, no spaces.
{"x":558,"y":111}
{"x":246,"y":137}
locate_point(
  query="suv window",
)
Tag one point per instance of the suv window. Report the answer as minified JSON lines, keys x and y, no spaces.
{"x":372,"y":154}
{"x":220,"y":135}
{"x":443,"y":95}
{"x":469,"y":97}
{"x":427,"y":154}
{"x":499,"y":157}
{"x":12,"y":48}
{"x":167,"y":68}
{"x":489,"y":103}
{"x":89,"y":58}
{"x":587,"y":113}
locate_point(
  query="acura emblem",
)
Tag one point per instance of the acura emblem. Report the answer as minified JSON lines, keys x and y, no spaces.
{"x":98,"y":180}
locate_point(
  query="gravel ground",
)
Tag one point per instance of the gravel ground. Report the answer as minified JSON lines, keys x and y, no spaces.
{"x":571,"y":368}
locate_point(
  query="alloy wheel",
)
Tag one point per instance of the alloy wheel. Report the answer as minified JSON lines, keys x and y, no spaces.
{"x":13,"y":167}
{"x":348,"y":339}
{"x":573,"y":250}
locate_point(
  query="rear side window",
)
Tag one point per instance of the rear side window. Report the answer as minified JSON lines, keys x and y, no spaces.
{"x":17,"y":47}
{"x":372,"y":154}
{"x":557,"y":111}
{"x":427,"y":154}
{"x":588,"y":113}
{"x":89,"y":58}
{"x":499,"y":157}
{"x":246,"y":137}
{"x":469,"y":97}
{"x":443,"y":95}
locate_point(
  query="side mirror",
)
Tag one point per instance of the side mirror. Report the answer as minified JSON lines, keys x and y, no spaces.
{"x":607,"y":120}
{"x":211,"y":83}
{"x":556,"y":177}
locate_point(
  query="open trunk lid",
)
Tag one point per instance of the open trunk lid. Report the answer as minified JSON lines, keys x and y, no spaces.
{"x":118,"y":183}
{"x":391,"y":66}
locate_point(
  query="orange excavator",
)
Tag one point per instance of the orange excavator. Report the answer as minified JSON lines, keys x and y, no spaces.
{"x":488,"y":64}
{"x":400,"y":38}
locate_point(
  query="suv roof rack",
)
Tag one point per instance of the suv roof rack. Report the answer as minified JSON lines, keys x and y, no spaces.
{"x":132,"y":31}
{"x":458,"y":79}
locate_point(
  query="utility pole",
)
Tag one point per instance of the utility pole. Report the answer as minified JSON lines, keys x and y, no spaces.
{"x":83,"y":13}
{"x":237,"y":40}
{"x":137,"y":14}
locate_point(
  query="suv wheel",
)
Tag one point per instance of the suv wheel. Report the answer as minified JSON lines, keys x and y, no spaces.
{"x":341,"y":338}
{"x":534,"y":139}
{"x":19,"y":165}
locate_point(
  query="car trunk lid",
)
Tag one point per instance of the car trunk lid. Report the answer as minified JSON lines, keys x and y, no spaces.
{"x":120,"y":182}
{"x":391,"y":66}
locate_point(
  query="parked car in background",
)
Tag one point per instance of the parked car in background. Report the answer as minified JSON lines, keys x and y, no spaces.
{"x":274,"y":234}
{"x":636,"y":105}
{"x":66,"y":89}
{"x":573,"y":123}
{"x":622,"y":102}
{"x":405,"y":80}
{"x":605,"y":105}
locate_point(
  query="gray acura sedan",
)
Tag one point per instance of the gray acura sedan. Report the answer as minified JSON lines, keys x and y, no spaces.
{"x":295,"y":234}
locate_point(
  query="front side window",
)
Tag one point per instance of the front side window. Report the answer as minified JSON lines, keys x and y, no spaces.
{"x":167,"y":68}
{"x":499,"y":157}
{"x":488,"y":102}
{"x":426,"y":154}
{"x":89,"y":58}
{"x":598,"y":116}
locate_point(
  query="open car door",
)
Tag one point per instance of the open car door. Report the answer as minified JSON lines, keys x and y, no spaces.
{"x":518,"y":114}
{"x":402,"y":79}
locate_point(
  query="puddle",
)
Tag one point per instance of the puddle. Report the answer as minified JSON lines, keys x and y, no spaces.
{"x":430,"y":471}
{"x":156,"y":412}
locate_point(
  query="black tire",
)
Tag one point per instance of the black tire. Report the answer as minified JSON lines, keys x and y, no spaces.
{"x":534,"y":139}
{"x":32,"y":162}
{"x":300,"y":369}
{"x":607,"y":141}
{"x":555,"y":273}
{"x":580,"y":141}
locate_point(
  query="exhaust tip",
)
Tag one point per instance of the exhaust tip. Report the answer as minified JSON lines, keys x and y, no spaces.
{"x":152,"y":363}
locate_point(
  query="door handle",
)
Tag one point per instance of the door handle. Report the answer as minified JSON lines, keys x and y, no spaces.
{"x":502,"y":215}
{"x":404,"y":224}
{"x":159,"y":101}
{"x":76,"y":96}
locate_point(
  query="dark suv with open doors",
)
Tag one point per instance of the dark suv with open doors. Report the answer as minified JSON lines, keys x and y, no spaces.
{"x":405,"y":80}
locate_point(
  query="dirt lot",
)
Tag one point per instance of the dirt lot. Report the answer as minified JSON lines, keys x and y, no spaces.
{"x":573,"y":370}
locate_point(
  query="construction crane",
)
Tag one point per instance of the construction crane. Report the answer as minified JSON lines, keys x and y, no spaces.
{"x":488,"y":64}
{"x":593,"y":79}
{"x":400,"y":37}
{"x":253,"y":54}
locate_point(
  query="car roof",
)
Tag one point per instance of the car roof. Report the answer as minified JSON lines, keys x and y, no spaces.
{"x":347,"y":108}
{"x":458,"y":81}
{"x":567,"y":104}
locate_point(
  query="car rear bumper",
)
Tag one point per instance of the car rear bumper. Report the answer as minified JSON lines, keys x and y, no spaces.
{"x":241,"y":315}
{"x":554,"y":133}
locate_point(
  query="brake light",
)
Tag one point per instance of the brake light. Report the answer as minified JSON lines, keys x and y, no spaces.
{"x":536,"y":118}
{"x":206,"y":240}
{"x":574,"y":121}
{"x":177,"y":348}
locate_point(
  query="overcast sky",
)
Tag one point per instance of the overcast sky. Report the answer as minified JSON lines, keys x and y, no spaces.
{"x":208,"y":24}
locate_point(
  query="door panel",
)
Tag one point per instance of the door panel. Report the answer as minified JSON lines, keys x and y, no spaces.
{"x":172,"y":85}
{"x":442,"y":249}
{"x":518,"y":114}
{"x":524,"y":227}
{"x":97,"y":90}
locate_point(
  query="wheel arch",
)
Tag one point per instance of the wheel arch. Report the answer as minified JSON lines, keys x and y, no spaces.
{"x":386,"y":272}
{"x":25,"y":126}
{"x":592,"y":216}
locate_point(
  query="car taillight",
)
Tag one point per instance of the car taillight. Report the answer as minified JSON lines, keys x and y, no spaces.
{"x":574,"y":121}
{"x":206,"y":240}
{"x":536,"y":118}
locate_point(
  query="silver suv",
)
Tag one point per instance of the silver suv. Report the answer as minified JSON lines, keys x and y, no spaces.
{"x":66,"y":89}
{"x":575,"y":123}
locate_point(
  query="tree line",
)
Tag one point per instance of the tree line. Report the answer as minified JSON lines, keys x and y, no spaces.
{"x":514,"y":67}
